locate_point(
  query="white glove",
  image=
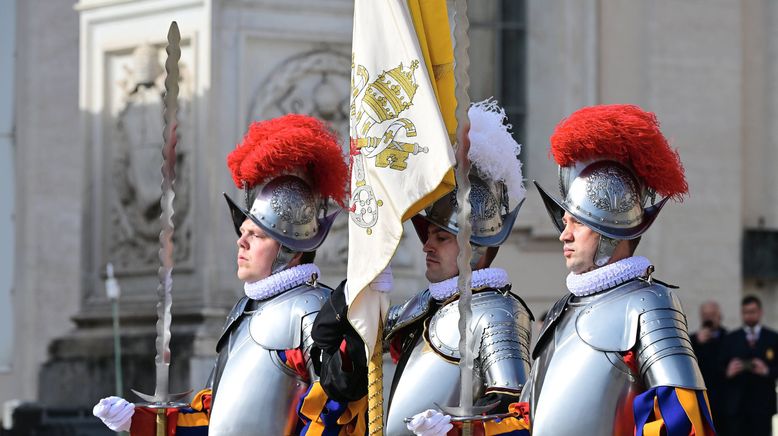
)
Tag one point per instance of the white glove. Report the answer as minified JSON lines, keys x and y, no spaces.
{"x":116,"y":413}
{"x":383,"y":281}
{"x":430,"y":423}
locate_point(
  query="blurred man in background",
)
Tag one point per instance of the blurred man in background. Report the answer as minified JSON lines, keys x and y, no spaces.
{"x":749,"y":363}
{"x":706,"y":343}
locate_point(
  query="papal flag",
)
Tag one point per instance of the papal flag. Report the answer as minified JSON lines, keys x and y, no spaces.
{"x":402,"y":119}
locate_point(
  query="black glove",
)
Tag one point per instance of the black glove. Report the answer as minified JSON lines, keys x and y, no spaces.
{"x":341,"y":382}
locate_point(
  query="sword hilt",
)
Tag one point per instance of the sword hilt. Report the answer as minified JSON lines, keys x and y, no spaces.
{"x":161,"y":406}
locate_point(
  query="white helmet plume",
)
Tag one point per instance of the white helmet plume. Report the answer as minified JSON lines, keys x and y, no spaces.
{"x":491,"y":143}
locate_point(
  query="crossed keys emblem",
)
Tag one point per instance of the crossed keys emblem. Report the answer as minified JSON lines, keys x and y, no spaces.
{"x":376,"y":124}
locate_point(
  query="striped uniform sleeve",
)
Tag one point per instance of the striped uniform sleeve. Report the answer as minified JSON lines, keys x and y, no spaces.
{"x":326,"y":417}
{"x":518,"y":425}
{"x":671,"y":411}
{"x":193,"y":420}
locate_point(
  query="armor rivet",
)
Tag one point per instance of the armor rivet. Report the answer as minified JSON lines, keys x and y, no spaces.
{"x":274,"y":226}
{"x":262,"y":218}
{"x":306,"y":233}
{"x":297,"y":233}
{"x":284,"y":230}
{"x":642,"y":299}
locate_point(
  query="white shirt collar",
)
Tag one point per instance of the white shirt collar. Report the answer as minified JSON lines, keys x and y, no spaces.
{"x":755,"y":329}
{"x":482,"y":278}
{"x":607,"y":276}
{"x":280,"y":282}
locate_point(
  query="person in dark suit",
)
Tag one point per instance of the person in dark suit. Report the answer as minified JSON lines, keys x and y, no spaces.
{"x":706,"y":343}
{"x":748,"y":359}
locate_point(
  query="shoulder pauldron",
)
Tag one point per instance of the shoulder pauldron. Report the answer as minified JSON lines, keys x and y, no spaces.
{"x":491,"y":310}
{"x":234,"y":315}
{"x":277,"y":324}
{"x":611,"y":323}
{"x":407,"y":313}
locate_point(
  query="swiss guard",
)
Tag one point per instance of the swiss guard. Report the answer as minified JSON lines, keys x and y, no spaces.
{"x":613,"y":356}
{"x":288,"y":170}
{"x":422,"y":334}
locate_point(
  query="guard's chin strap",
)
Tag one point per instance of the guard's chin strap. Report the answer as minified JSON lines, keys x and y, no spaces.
{"x":283,"y":259}
{"x":605,"y":248}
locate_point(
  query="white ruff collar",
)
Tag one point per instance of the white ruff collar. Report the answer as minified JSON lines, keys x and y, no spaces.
{"x":487,"y":277}
{"x":280,"y":281}
{"x":607,"y":276}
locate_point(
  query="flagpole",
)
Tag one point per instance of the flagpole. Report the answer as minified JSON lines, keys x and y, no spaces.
{"x":375,"y":385}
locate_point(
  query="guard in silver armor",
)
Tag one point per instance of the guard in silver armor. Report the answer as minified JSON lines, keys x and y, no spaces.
{"x":423,"y":332}
{"x":618,"y":341}
{"x":264,"y":366}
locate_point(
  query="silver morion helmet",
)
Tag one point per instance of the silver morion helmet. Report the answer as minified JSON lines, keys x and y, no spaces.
{"x":605,"y":196}
{"x":491,"y":218}
{"x":288,"y":210}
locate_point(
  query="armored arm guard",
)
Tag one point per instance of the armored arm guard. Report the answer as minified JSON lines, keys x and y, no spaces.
{"x":503,"y":354}
{"x":307,"y":345}
{"x":648,"y":319}
{"x":664,"y":351}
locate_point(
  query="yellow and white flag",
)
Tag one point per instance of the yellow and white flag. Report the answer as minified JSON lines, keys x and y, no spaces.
{"x":402,"y":119}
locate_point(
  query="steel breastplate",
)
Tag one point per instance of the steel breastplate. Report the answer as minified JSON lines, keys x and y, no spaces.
{"x":579,"y":379}
{"x":426,"y":379}
{"x":559,"y":404}
{"x":257,"y":393}
{"x":568,"y":373}
{"x":430,"y":375}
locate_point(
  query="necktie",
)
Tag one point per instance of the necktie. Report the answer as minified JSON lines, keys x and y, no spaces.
{"x":750,"y":336}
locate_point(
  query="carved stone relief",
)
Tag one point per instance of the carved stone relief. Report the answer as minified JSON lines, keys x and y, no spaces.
{"x":134,"y":178}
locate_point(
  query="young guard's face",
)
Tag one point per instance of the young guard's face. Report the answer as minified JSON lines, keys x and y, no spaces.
{"x":442,"y":250}
{"x":256,"y":252}
{"x":579,"y":245}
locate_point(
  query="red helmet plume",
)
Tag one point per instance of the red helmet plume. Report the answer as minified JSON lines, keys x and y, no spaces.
{"x":624,"y":133}
{"x":288,"y":144}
